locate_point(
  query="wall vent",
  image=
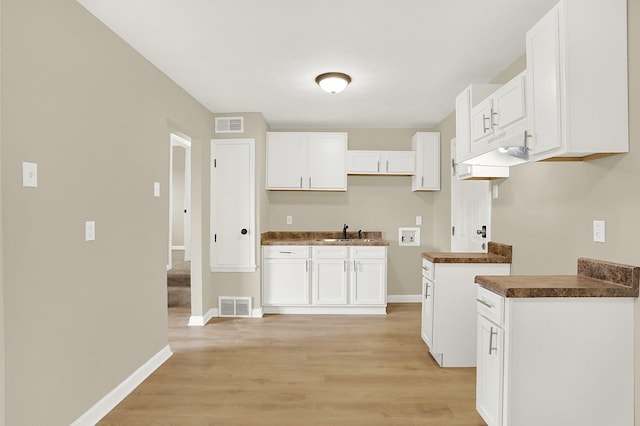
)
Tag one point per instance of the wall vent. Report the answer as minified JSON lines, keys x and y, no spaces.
{"x":229,"y":124}
{"x":234,"y":306}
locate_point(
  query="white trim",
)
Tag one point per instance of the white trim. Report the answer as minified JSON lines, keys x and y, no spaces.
{"x":404,"y":298}
{"x":326,"y":310}
{"x":257,"y":313}
{"x":120,"y":392}
{"x":234,"y":268}
{"x":177,"y":247}
{"x":200,"y":320}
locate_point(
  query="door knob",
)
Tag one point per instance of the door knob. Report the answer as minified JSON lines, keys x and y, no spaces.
{"x":482,"y":231}
{"x":244,"y":231}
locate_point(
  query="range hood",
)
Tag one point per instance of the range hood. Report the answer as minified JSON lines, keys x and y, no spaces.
{"x":478,"y":172}
{"x":507,"y":149}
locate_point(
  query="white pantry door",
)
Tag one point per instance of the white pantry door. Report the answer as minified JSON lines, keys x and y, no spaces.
{"x":470,"y":211}
{"x":233,"y":224}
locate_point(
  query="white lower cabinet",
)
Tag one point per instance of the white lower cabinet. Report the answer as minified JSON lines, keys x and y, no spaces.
{"x":324,"y":279}
{"x":285,"y":275}
{"x":449,"y":309}
{"x":329,"y":275}
{"x":555,"y":361}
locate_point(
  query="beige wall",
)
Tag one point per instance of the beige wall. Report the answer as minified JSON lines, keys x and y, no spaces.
{"x":371,"y":203}
{"x":81,"y":316}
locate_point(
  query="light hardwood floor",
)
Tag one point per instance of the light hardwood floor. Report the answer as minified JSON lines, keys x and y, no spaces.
{"x":301,"y":370}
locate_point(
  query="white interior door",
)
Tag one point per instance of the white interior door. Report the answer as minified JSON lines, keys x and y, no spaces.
{"x":179,"y":196}
{"x":470,"y":212}
{"x":233,"y":229}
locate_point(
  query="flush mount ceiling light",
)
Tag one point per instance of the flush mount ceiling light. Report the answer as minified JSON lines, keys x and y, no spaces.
{"x":333,"y":82}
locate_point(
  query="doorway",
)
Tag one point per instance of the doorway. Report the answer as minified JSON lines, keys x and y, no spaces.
{"x":179,"y":256}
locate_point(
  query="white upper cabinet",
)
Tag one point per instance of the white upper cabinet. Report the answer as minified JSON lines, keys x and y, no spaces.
{"x":500,"y":118}
{"x":426,"y":145}
{"x":381,"y":162}
{"x":577,"y":80}
{"x":466,"y":100}
{"x":306,"y":161}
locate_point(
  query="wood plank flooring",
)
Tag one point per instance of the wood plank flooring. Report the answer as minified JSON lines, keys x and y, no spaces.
{"x":301,"y":370}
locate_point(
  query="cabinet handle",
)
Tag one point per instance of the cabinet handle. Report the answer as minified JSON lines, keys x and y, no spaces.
{"x":309,"y":181}
{"x":426,"y":292}
{"x":484,"y":120}
{"x":488,"y":305}
{"x":300,"y":181}
{"x":422,"y":181}
{"x":494,"y":123}
{"x":354,"y":266}
{"x":345,"y":266}
{"x":378,"y":167}
{"x":491,"y":334}
{"x":286,"y":252}
{"x":306,"y":263}
{"x":387,"y":165}
{"x":426,"y":269}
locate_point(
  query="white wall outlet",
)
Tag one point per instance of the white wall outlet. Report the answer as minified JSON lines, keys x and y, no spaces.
{"x":418,"y":220}
{"x":408,"y":236}
{"x":89,"y":230}
{"x":289,"y":220}
{"x":495,"y":192}
{"x":156,"y":189}
{"x":598,"y":231}
{"x":29,"y":175}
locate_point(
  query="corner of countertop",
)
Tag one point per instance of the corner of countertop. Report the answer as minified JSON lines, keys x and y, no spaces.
{"x":504,"y":250}
{"x":625,"y":275}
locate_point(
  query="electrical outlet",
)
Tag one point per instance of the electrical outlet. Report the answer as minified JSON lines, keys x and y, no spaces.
{"x":598,"y":231}
{"x":156,"y":189}
{"x":29,"y":175}
{"x":289,"y":220}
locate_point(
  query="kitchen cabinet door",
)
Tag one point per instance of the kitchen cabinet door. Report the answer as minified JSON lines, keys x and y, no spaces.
{"x":287,"y":161}
{"x":399,"y":162}
{"x":543,"y":63}
{"x":285,"y":282}
{"x":427,"y":312}
{"x":363,"y":162}
{"x":369,"y":282}
{"x":489,"y":371}
{"x":481,"y":122}
{"x":329,"y":281}
{"x":327,"y":161}
{"x":426,"y":146}
{"x":509,"y":104}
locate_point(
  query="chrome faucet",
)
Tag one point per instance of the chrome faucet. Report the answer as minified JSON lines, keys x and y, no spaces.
{"x":344,"y":231}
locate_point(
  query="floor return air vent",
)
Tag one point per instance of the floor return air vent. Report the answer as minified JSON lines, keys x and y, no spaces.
{"x":234,"y":306}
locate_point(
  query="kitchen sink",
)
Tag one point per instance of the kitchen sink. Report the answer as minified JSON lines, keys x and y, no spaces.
{"x":334,"y":240}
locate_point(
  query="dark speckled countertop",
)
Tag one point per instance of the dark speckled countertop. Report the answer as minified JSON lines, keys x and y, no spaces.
{"x":317,"y":238}
{"x":497,"y":253}
{"x":595,"y":278}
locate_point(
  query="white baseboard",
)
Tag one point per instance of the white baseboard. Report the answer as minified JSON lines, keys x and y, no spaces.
{"x":177,"y":247}
{"x":120,"y":392}
{"x":326,"y":310}
{"x":200,"y":320}
{"x":404,"y":298}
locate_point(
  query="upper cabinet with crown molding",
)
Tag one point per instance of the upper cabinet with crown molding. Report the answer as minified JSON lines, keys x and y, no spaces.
{"x":577,"y":81}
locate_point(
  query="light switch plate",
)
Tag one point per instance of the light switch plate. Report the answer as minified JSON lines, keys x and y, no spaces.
{"x":418,"y":220}
{"x":156,"y":189}
{"x":289,"y":220}
{"x":90,"y":230}
{"x":29,"y":175}
{"x":598,"y":231}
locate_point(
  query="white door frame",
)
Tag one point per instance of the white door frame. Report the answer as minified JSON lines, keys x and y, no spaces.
{"x":182,"y":142}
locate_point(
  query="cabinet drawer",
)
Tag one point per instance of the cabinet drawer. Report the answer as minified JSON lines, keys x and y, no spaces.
{"x":329,"y":252}
{"x":285,"y":252}
{"x":427,"y":269}
{"x":490,"y":305}
{"x":368,"y":252}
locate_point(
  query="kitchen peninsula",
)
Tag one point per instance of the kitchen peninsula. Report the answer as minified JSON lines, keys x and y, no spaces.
{"x":547,"y":339}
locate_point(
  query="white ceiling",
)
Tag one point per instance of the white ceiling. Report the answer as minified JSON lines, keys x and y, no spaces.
{"x":408,"y":58}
